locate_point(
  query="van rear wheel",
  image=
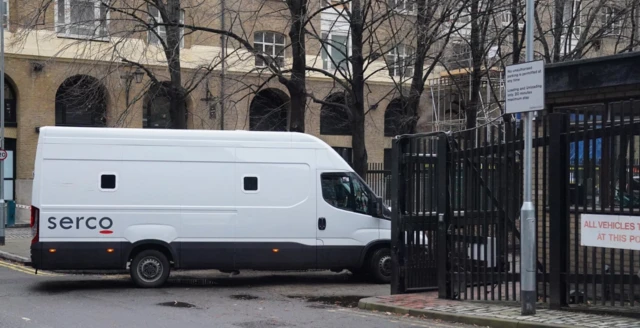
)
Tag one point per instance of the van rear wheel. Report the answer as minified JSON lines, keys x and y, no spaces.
{"x":380,"y":266}
{"x":149,"y":269}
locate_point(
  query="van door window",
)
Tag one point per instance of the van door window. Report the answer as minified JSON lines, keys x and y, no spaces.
{"x":346,"y":192}
{"x":362,"y":196}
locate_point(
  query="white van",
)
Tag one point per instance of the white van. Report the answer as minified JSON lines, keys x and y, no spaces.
{"x":156,"y":200}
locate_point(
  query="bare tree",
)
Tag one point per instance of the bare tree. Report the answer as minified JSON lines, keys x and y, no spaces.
{"x":574,"y":29}
{"x":352,"y":64}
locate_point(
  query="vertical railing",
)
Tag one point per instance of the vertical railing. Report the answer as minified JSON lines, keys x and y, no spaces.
{"x":558,"y":218}
{"x":379,"y":180}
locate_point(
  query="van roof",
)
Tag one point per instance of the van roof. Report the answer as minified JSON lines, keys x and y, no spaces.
{"x":57,"y":132}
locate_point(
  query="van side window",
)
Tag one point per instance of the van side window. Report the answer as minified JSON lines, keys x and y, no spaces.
{"x":344,"y":191}
{"x":108,"y":181}
{"x":250,"y":183}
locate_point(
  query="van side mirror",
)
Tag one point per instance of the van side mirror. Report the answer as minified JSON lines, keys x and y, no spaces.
{"x":379,"y":210}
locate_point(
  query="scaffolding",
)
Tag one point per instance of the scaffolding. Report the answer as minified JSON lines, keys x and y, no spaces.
{"x":451,"y":92}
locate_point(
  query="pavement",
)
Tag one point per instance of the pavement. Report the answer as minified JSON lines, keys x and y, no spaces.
{"x":17,"y":243}
{"x":487,"y":314}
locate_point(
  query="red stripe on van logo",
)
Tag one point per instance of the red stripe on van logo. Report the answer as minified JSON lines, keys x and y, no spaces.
{"x":106,"y":232}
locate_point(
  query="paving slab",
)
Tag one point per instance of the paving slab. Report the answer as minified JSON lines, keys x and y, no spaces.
{"x":488,"y":314}
{"x":17,"y":245}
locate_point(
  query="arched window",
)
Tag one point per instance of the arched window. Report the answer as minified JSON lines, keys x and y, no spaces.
{"x":10,"y":104}
{"x":396,"y":122}
{"x":334,"y":117}
{"x":269,"y":111}
{"x":81,"y":100}
{"x":271,"y":44}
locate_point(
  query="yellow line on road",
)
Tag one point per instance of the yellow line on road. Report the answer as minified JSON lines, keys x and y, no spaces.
{"x":24,"y":269}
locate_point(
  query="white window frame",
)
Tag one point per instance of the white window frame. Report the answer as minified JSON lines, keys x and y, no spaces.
{"x":6,"y":14}
{"x":401,"y":6}
{"x":463,"y":57}
{"x":607,"y":15}
{"x":506,"y":18}
{"x":260,"y":46}
{"x":67,"y":25}
{"x":328,"y":63}
{"x":158,"y":18}
{"x":573,"y":14}
{"x":397,"y":60}
{"x":462,"y":22}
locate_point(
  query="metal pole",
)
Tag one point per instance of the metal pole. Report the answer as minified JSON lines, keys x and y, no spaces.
{"x":3,"y":220}
{"x":528,"y":258}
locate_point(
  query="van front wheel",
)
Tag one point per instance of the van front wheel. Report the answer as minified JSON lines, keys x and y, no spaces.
{"x":149,"y":269}
{"x":380,"y":266}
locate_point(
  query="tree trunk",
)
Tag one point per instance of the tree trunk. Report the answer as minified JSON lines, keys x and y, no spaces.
{"x":172,"y":52}
{"x":417,"y":83}
{"x":558,"y":29}
{"x":477,"y":51}
{"x":297,"y":83}
{"x":178,"y":106}
{"x":357,"y":86}
{"x":515,"y":33}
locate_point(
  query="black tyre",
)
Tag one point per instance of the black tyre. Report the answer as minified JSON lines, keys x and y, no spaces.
{"x":150,"y":269}
{"x":380,"y":266}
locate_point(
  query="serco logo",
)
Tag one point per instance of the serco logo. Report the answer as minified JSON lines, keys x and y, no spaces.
{"x":91,"y":223}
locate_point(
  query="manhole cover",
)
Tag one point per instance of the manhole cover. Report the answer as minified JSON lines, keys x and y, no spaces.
{"x":177,"y":304}
{"x":244,"y":297}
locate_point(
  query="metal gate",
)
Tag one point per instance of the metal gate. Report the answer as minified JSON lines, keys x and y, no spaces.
{"x":454,"y":222}
{"x":420,"y":173}
{"x":456,"y":202}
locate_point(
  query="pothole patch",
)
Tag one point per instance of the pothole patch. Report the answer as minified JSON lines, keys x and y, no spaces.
{"x":347,"y":301}
{"x":260,"y":324}
{"x":244,"y":297}
{"x":176,"y":304}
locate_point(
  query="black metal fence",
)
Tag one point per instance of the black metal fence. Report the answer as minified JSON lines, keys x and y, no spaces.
{"x":379,"y":180}
{"x":457,"y":198}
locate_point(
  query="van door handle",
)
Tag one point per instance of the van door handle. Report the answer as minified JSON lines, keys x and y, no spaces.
{"x":322,"y":223}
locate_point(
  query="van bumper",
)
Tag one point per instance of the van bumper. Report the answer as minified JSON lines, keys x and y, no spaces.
{"x":77,"y":255}
{"x":36,"y":255}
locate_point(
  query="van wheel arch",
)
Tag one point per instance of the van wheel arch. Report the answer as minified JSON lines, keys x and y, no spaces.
{"x":158,"y":245}
{"x":363,"y":268}
{"x":372,"y":248}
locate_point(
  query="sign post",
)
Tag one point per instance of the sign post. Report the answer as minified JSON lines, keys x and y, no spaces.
{"x":525,"y":94}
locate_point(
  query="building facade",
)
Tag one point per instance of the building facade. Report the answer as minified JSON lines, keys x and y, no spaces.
{"x":71,"y":69}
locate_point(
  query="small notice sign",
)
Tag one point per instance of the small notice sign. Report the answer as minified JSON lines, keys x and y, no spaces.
{"x":610,"y":231}
{"x":525,"y":87}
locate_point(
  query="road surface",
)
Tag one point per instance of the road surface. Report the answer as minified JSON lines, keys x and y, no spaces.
{"x":191,"y":299}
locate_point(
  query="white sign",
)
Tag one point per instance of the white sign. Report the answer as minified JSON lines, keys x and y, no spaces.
{"x":525,"y":87}
{"x":610,"y":231}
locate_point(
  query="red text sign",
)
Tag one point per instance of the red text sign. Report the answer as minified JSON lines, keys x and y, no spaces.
{"x":610,"y":231}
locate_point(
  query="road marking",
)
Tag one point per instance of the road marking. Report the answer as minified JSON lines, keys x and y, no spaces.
{"x":25,"y":269}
